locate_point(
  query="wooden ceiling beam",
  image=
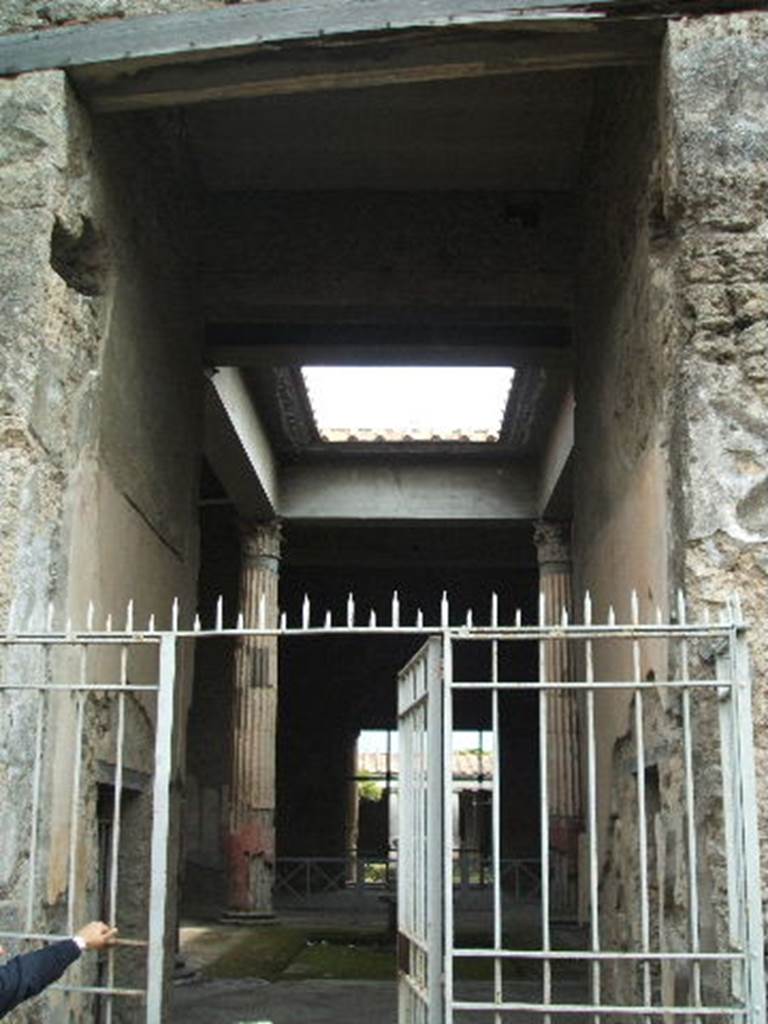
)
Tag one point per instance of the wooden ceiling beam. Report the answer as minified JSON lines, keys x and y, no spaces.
{"x":310,"y":69}
{"x":223,"y":32}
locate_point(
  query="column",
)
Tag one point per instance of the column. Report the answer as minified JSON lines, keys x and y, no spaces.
{"x":251,"y":834}
{"x":552,"y":541}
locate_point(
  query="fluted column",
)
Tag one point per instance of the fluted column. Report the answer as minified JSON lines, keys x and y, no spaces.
{"x":251,"y":838}
{"x":552,"y":541}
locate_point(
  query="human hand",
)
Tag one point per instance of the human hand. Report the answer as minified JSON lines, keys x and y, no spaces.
{"x":97,"y":935}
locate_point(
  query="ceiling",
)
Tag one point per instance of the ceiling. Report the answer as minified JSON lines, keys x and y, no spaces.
{"x":522,"y":131}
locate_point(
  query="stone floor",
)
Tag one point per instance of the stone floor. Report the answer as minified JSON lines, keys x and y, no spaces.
{"x":320,"y":1002}
{"x":291,"y":999}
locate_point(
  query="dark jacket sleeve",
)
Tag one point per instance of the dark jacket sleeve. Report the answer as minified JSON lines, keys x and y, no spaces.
{"x":26,"y":975}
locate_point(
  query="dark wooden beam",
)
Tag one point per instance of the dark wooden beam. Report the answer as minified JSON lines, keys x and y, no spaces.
{"x":402,"y":61}
{"x":378,"y":345}
{"x":237,"y":28}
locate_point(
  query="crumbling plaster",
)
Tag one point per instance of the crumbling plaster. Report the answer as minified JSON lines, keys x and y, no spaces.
{"x":718,"y":93}
{"x":21,"y":15}
{"x":671,"y":439}
{"x":100,"y":406}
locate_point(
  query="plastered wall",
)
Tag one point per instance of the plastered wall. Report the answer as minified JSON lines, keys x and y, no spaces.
{"x":100,"y":417}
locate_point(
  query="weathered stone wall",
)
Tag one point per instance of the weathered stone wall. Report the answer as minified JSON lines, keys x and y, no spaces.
{"x":672,"y":484}
{"x":25,"y":15}
{"x":718,"y":100}
{"x":624,"y":330}
{"x":99,"y":353}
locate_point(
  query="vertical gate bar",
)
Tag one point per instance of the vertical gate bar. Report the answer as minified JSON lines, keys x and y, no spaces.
{"x":642,"y":829}
{"x":690,"y":813}
{"x":546,"y":939}
{"x":161,"y":817}
{"x":734,"y":861}
{"x":742,"y":689}
{"x":594,"y":907}
{"x":36,"y":779}
{"x":435,"y":833}
{"x":498,"y":984}
{"x":114,"y":865}
{"x":75,"y":801}
{"x":448,"y":827}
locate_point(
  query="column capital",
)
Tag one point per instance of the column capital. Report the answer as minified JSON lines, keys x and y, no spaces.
{"x":553,"y":542}
{"x":260,"y":542}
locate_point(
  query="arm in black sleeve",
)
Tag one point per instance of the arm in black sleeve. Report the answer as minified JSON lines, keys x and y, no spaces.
{"x":24,"y":976}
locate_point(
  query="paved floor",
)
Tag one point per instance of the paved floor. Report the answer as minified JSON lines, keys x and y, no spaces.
{"x":285,"y":1002}
{"x":317,"y":1002}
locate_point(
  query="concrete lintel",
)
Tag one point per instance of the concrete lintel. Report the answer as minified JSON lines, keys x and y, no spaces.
{"x":237,"y":446}
{"x":417,"y":491}
{"x":557,"y":455}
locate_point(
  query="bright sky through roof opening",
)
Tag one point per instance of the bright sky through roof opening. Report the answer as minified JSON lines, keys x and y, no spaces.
{"x":421,"y":401}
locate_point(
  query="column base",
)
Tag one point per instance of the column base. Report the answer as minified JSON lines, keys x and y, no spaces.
{"x":248,"y":917}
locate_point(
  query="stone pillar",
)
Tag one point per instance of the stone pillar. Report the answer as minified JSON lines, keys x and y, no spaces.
{"x":251,"y":833}
{"x":352,"y":828}
{"x":552,"y":541}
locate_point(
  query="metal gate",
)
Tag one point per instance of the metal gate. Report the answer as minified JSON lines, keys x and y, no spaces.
{"x":685,"y":945}
{"x":95,"y":711}
{"x":675,"y":941}
{"x":421,"y":840}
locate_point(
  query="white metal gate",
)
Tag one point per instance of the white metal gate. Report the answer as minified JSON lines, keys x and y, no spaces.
{"x":84,"y":699}
{"x":635,"y":964}
{"x":421,"y":840}
{"x":107,"y":682}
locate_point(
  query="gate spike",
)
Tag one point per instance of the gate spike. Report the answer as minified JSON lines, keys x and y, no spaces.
{"x":350,"y":610}
{"x":328,"y":619}
{"x":564,"y":617}
{"x":470,"y":618}
{"x":89,"y":616}
{"x":419,"y":619}
{"x":283,"y":620}
{"x":587,"y":608}
{"x":219,"y":613}
{"x":372,"y":619}
{"x":129,"y":617}
{"x":262,"y":620}
{"x":175,"y":615}
{"x":518,"y":617}
{"x":196,"y":623}
{"x":305,"y":612}
{"x":151,"y":623}
{"x":542,"y":608}
{"x":611,"y":615}
{"x":444,"y":609}
{"x":395,"y":609}
{"x":659,"y":616}
{"x":240,"y":620}
{"x":494,"y":609}
{"x":108,"y":623}
{"x":634,"y":605}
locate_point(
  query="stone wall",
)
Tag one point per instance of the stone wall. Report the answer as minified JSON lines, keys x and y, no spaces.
{"x":100,"y":417}
{"x":672,"y":400}
{"x":27,"y":15}
{"x":718,"y":97}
